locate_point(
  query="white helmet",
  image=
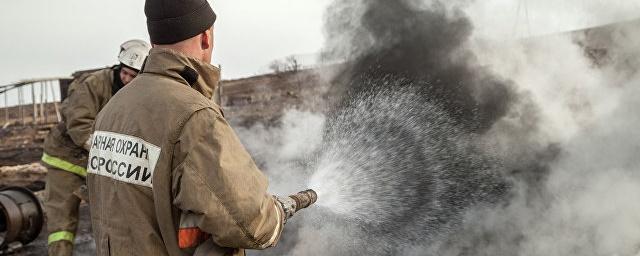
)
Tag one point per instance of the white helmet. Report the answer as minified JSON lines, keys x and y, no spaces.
{"x":134,"y":42}
{"x":134,"y":56}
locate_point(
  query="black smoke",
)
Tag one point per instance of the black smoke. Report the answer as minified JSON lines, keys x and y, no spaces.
{"x":422,"y":48}
{"x":413,"y":103}
{"x":425,"y":45}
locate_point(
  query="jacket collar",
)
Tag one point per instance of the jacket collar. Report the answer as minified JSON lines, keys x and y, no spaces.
{"x":201,"y":76}
{"x":117,"y":83}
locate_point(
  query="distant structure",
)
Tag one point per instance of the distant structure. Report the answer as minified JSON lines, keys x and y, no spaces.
{"x":24,"y":125}
{"x":36,"y":98}
{"x":35,"y":106}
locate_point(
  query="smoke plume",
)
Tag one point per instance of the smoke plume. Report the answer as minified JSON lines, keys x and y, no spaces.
{"x":426,"y":46}
{"x":445,"y":144}
{"x":584,"y":85}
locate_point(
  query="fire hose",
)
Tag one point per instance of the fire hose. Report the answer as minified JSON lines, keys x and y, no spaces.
{"x":21,"y":217}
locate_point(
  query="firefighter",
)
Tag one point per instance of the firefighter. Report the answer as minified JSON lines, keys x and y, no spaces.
{"x":167,"y":175}
{"x":66,"y":146}
{"x":134,"y":42}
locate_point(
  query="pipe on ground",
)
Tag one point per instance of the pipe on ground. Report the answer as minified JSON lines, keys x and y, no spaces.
{"x":21,"y":216}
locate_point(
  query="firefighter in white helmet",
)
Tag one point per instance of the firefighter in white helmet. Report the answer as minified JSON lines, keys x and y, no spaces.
{"x":134,"y":42}
{"x":65,"y":149}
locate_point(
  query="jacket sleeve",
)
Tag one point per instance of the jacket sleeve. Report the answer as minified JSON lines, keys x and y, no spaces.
{"x":216,"y":180}
{"x":81,"y":106}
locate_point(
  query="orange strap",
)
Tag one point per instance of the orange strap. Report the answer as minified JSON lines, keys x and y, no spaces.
{"x":191,"y":237}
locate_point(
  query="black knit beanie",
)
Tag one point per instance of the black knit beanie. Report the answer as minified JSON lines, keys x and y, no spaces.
{"x":172,"y":21}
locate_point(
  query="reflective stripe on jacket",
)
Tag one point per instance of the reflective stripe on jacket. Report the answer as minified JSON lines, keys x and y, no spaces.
{"x":64,"y":165}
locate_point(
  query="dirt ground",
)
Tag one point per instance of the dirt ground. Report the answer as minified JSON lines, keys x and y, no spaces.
{"x":31,"y":176}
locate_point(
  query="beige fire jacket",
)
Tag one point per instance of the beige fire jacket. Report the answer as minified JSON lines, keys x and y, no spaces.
{"x":167,"y":174}
{"x":87,"y":95}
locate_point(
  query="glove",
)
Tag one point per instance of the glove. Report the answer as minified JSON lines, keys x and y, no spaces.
{"x":87,"y":144}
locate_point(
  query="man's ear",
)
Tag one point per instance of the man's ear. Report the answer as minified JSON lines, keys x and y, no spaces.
{"x":206,"y":42}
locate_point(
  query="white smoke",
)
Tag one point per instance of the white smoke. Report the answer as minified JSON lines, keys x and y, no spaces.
{"x":585,"y":205}
{"x":284,"y":150}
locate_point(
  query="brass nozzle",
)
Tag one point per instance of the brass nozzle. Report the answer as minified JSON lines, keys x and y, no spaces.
{"x":304,"y":199}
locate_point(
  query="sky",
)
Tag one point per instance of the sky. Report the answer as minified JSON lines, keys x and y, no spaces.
{"x":504,"y":19}
{"x":40,"y":38}
{"x":53,"y":38}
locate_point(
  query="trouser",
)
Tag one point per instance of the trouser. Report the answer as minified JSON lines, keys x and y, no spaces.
{"x":62,"y":208}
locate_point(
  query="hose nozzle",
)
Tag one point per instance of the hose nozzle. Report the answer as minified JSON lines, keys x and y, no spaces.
{"x":304,"y":198}
{"x":297,"y":202}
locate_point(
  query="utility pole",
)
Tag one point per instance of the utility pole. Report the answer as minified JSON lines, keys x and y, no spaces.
{"x":46,"y":101}
{"x":33,"y":103}
{"x":41,"y":114}
{"x":20,"y":101}
{"x":6,"y":107}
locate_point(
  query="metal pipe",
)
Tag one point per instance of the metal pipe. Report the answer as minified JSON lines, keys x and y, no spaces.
{"x":21,"y":216}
